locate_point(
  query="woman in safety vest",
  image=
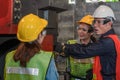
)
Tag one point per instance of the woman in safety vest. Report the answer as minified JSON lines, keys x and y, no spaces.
{"x":81,"y":69}
{"x":28,"y":61}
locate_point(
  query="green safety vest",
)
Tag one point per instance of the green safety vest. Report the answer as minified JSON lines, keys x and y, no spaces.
{"x":77,"y":68}
{"x":35,"y":70}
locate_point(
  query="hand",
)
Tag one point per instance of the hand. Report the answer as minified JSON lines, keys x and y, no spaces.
{"x":58,"y":47}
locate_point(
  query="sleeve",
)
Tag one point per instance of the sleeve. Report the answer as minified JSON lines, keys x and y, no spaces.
{"x":100,"y":48}
{"x":52,"y":73}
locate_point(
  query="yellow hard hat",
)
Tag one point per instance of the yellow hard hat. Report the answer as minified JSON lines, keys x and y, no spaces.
{"x":88,"y":19}
{"x":29,"y":27}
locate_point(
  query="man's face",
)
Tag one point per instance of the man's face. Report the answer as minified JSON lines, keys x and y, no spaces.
{"x":82,"y":31}
{"x":100,"y":27}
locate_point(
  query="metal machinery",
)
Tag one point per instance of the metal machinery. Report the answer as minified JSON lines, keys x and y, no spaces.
{"x":11,"y":12}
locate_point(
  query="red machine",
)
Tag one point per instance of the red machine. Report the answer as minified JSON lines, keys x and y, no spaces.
{"x":8,"y":27}
{"x":6,"y":14}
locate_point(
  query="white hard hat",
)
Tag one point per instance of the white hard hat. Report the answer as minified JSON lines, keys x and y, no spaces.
{"x":103,"y":11}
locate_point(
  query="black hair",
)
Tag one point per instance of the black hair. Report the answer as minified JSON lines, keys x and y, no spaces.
{"x":91,"y":29}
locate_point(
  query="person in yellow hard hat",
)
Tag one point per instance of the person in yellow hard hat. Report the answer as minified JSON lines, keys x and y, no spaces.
{"x":106,"y":50}
{"x":28,"y":61}
{"x":81,"y":69}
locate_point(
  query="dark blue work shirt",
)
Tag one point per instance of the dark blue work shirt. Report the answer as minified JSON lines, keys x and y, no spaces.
{"x":104,"y":48}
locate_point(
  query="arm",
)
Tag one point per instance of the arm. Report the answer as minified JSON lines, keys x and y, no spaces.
{"x":103,"y":46}
{"x":52,"y":73}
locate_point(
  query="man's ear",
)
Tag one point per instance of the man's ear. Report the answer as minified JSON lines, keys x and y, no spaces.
{"x":109,"y":23}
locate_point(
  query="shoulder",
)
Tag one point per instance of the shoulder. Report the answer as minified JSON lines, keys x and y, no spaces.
{"x":106,"y":40}
{"x":107,"y":43}
{"x":11,"y":53}
{"x":71,"y":41}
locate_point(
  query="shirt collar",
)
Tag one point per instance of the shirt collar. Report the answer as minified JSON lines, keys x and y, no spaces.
{"x":111,"y":31}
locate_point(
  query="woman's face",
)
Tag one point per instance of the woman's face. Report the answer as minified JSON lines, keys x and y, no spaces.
{"x":40,"y":38}
{"x":82,"y":31}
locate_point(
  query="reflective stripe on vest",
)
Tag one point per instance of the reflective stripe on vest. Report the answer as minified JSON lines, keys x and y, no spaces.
{"x":36,"y":68}
{"x":19,"y":70}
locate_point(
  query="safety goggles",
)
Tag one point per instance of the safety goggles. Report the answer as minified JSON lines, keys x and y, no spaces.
{"x":104,"y":21}
{"x":44,"y":32}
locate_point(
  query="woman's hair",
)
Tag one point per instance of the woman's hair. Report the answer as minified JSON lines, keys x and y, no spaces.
{"x":91,"y":30}
{"x":26,"y":51}
{"x":93,"y":38}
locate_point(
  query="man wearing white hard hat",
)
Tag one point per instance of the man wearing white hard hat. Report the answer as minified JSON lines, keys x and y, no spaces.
{"x":107,"y":49}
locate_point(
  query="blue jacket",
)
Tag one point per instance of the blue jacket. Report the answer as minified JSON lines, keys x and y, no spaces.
{"x":52,"y":73}
{"x":104,"y":48}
